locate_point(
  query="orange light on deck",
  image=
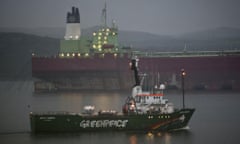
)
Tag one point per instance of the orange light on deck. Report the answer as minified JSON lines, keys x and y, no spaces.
{"x":183,"y":72}
{"x":130,"y":64}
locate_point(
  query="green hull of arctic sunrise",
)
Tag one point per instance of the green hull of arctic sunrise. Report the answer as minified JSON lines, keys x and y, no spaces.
{"x":71,"y":122}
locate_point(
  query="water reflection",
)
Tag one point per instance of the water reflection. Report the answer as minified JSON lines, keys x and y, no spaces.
{"x":133,"y":139}
{"x":167,"y":138}
{"x":182,"y":136}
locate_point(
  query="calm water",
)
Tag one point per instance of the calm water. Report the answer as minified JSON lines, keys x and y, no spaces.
{"x":216,"y":120}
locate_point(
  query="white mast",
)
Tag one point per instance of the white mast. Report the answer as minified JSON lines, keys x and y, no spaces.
{"x":104,"y":15}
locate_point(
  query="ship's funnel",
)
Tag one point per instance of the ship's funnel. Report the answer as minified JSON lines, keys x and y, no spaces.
{"x":73,"y":31}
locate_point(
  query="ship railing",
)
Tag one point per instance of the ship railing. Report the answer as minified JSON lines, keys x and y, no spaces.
{"x":186,"y":53}
{"x":55,"y":113}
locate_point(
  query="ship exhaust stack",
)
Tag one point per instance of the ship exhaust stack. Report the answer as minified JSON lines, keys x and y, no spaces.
{"x":73,"y":30}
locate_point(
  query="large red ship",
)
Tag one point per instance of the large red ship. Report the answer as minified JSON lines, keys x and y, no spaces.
{"x":100,"y":64}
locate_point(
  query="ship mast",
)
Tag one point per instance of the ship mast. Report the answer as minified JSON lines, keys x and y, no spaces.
{"x":183,"y":74}
{"x":104,"y":15}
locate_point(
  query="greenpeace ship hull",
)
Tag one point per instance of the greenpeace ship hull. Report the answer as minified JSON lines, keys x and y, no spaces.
{"x":142,"y":111}
{"x":71,"y":122}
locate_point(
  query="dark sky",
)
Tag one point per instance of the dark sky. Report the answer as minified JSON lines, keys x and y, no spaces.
{"x":164,"y":17}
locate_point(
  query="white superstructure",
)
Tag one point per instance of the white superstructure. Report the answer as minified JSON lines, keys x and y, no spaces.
{"x":145,"y":101}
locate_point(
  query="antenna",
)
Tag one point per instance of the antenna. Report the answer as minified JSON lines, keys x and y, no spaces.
{"x":185,"y":48}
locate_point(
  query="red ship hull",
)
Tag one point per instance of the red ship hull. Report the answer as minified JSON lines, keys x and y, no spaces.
{"x":110,"y":72}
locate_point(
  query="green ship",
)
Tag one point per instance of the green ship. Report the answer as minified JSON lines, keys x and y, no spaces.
{"x":142,"y":111}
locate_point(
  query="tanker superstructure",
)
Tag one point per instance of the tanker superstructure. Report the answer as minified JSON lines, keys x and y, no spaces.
{"x":83,"y":63}
{"x":100,"y":63}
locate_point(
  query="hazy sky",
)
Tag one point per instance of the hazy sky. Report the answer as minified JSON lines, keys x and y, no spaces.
{"x":155,"y":16}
